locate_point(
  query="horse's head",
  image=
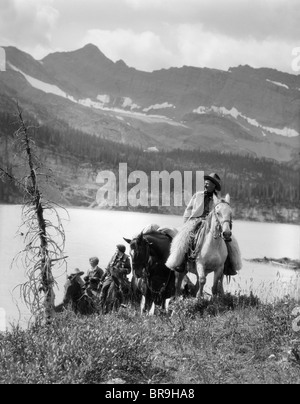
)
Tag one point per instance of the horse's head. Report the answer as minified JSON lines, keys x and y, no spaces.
{"x":223,"y":215}
{"x":140,"y":254}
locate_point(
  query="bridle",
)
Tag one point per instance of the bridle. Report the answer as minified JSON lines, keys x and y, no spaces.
{"x":219,"y":228}
{"x":150,"y":261}
{"x":147,"y":254}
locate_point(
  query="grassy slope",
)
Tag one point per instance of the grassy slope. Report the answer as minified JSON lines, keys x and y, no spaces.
{"x":237,"y":340}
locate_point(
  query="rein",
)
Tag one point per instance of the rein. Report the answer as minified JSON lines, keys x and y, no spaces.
{"x":163,"y":287}
{"x":216,"y":232}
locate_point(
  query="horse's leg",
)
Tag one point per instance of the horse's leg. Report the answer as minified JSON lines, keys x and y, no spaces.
{"x":201,"y":279}
{"x":221,"y":288}
{"x":142,"y":305}
{"x":150,"y":303}
{"x":166,"y":304}
{"x":178,"y":281}
{"x":192,"y":268}
{"x":152,"y":309}
{"x":217,"y":287}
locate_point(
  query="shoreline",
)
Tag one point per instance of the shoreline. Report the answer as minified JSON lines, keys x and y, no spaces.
{"x":283,"y":262}
{"x":150,"y":210}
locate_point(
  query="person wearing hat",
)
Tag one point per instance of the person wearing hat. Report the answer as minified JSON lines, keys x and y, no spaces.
{"x":76,"y":275}
{"x":195,"y":213}
{"x":119,"y":267}
{"x":94,"y":274}
{"x":202,"y":202}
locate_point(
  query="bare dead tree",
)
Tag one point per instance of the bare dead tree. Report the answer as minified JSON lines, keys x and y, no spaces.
{"x":44,"y":235}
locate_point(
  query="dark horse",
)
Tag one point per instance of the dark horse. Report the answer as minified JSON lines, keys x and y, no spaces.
{"x":116,"y":294}
{"x":79,"y":300}
{"x":152,"y":281}
{"x":85,"y":300}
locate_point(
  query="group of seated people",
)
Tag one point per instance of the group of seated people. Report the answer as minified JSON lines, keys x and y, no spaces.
{"x":98,"y":280}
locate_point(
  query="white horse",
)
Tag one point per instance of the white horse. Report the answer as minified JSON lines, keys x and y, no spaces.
{"x":216,"y":248}
{"x":216,"y":245}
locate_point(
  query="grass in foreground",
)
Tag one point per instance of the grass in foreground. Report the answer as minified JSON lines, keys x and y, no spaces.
{"x":233,"y":340}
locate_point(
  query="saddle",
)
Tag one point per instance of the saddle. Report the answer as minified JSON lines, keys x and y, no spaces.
{"x":195,"y":236}
{"x":168,"y":231}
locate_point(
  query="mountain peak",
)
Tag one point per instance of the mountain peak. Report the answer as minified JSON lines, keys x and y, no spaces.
{"x":90,"y":47}
{"x":93,"y":53}
{"x":89,"y":52}
{"x":121,"y":63}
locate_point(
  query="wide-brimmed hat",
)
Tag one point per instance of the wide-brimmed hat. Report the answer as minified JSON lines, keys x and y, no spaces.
{"x":121,"y":248}
{"x":213,"y":177}
{"x":77,"y":271}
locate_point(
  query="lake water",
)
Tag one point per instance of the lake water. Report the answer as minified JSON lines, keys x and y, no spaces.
{"x":96,"y":232}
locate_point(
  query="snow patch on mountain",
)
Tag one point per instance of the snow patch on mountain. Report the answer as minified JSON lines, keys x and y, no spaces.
{"x":234,"y":113}
{"x":105,"y":99}
{"x":100,"y":104}
{"x":277,"y":83}
{"x":159,"y":106}
{"x":87,"y":102}
{"x":41,"y":85}
{"x":146,"y":117}
{"x":127,"y":102}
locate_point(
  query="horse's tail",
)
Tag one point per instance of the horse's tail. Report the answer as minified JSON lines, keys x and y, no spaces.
{"x":180,"y":245}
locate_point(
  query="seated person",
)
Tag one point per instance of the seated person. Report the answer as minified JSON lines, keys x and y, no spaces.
{"x":117,"y":270}
{"x":94,"y":274}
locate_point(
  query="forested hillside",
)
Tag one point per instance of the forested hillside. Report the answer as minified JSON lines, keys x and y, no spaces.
{"x":260,"y":189}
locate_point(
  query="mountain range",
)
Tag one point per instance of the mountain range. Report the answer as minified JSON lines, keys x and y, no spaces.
{"x":243,"y":110}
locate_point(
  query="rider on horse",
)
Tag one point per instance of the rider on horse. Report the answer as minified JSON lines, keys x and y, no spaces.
{"x":76,"y":276}
{"x":195,"y":213}
{"x":202,"y":202}
{"x":94,"y":274}
{"x":198,"y":209}
{"x":117,"y":270}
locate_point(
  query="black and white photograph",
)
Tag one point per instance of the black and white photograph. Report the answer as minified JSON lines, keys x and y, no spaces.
{"x":149,"y":194}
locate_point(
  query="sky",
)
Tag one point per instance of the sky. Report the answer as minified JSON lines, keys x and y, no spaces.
{"x":154,"y":34}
